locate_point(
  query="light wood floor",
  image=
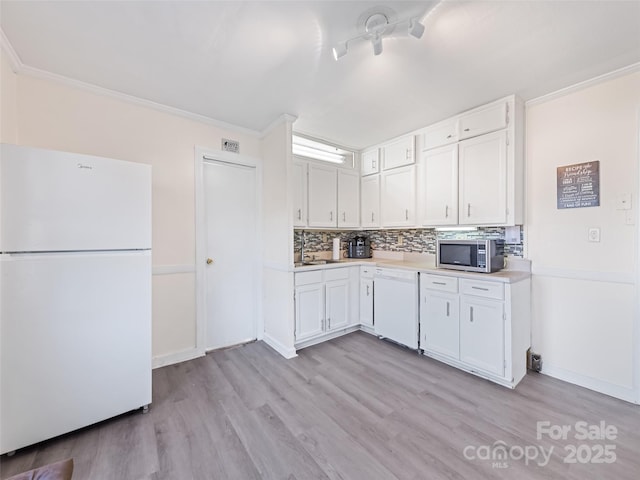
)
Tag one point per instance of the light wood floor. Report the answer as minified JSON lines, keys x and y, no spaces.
{"x":352,"y":408}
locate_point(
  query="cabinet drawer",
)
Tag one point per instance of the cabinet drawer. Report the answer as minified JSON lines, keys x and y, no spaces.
{"x":307,"y":278}
{"x":367,"y":272}
{"x":439,"y":282}
{"x":336,"y":274}
{"x":482,"y":289}
{"x":485,"y":120}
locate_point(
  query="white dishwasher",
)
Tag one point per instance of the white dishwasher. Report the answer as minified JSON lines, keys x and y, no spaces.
{"x":396,"y":305}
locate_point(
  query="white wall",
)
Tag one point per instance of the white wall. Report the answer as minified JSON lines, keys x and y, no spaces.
{"x":277,"y":235}
{"x":584,"y":293}
{"x":8,"y":102}
{"x":53,"y":115}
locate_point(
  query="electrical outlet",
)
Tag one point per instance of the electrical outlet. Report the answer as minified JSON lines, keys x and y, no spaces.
{"x":324,"y":238}
{"x":400,"y":240}
{"x":594,"y":234}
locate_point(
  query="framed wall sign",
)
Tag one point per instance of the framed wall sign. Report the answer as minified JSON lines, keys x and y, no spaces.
{"x":579,"y":185}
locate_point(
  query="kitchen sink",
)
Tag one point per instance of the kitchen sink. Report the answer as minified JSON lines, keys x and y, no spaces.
{"x":316,"y":262}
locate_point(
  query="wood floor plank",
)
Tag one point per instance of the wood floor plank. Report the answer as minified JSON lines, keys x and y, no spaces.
{"x":352,"y":408}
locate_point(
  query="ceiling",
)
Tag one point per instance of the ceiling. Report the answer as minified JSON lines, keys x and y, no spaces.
{"x":248,"y":62}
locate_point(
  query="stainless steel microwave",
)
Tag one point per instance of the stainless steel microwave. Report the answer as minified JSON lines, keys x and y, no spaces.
{"x":479,"y":255}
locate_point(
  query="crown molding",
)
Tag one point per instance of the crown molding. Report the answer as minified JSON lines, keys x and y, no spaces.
{"x":21,"y":69}
{"x":633,"y":68}
{"x":14,"y":60}
{"x":284,"y":118}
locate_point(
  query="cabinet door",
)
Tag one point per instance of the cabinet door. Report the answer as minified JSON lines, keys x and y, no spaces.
{"x":299,"y":194}
{"x":484,"y":120}
{"x":398,"y":197}
{"x":440,"y":183}
{"x":483,"y":179}
{"x":482,"y":334}
{"x":348,"y":199}
{"x":370,"y":162}
{"x":323,"y":195}
{"x":398,"y":153}
{"x":440,"y":323}
{"x":337,"y":304}
{"x":443,"y":133}
{"x":366,"y":301}
{"x":309,"y":311}
{"x":370,"y":201}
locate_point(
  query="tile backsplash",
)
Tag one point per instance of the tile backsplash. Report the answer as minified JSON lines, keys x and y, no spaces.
{"x":419,"y":240}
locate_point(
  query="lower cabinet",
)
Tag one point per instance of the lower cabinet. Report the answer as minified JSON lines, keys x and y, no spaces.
{"x":326,"y":302}
{"x":480,"y":326}
{"x":366,"y":298}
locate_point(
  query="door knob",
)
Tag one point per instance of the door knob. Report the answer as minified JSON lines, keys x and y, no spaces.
{"x":209,"y":261}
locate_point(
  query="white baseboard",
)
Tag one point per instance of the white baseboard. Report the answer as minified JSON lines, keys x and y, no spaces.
{"x":176,"y":357}
{"x":286,"y":352}
{"x":601,"y":386}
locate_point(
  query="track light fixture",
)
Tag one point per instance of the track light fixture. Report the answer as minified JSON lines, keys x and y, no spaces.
{"x":376,"y":26}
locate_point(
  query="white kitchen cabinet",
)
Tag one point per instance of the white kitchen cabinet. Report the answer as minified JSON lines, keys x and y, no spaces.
{"x":440,"y":186}
{"x":348,"y":199}
{"x":482,"y":334}
{"x":483,"y":179}
{"x":326,"y":304}
{"x":439,"y":315}
{"x":442,"y":133}
{"x":370,"y":201}
{"x":299,"y":194}
{"x":398,"y":197}
{"x":323,"y":196}
{"x":366,"y":298}
{"x":337,"y":304}
{"x":479,"y":121}
{"x":398,"y":153}
{"x":370,"y":162}
{"x":309,"y":300}
{"x":479,"y":326}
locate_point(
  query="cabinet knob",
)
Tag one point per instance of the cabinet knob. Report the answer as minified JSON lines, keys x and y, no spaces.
{"x":466,"y":129}
{"x":209,"y":261}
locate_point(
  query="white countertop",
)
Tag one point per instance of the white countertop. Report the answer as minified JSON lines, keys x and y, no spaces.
{"x":426,"y":263}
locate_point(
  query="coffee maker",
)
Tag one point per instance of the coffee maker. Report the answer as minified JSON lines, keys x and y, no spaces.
{"x":359,"y":247}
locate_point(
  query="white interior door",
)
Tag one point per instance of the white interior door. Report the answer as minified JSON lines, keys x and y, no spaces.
{"x":232,"y":245}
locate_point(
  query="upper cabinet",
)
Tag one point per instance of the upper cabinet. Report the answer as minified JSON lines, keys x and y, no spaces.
{"x":483,"y":179}
{"x":370,"y":161}
{"x":442,"y":133}
{"x":348,"y":199}
{"x":480,"y":179}
{"x":333,"y":197}
{"x":439,"y":185}
{"x":323,"y":196}
{"x":484,"y":120}
{"x":299,"y":194}
{"x":398,"y":153}
{"x":370,"y":201}
{"x":398,"y":197}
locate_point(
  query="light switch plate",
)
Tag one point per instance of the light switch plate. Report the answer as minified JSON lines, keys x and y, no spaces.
{"x":594,"y":234}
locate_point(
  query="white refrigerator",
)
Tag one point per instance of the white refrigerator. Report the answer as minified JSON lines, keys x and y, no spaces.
{"x":75,"y":292}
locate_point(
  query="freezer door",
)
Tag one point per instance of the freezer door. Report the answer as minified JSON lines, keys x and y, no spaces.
{"x":56,"y":201}
{"x":75,"y":342}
